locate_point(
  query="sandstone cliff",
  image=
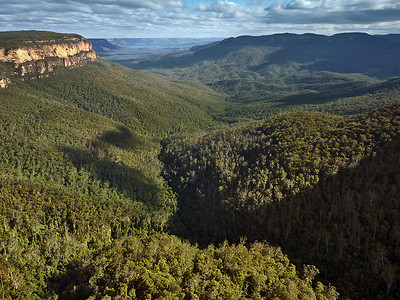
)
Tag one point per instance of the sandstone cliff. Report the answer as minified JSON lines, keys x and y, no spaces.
{"x":36,"y":58}
{"x":4,"y":81}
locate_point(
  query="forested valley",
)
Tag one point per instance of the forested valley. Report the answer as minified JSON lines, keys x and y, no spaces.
{"x":322,"y":187}
{"x":121,"y":184}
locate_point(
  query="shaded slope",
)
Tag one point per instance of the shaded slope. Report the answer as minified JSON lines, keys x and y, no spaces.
{"x":347,"y":225}
{"x":248,"y":181}
{"x":56,"y":244}
{"x":62,"y":146}
{"x":96,"y":130}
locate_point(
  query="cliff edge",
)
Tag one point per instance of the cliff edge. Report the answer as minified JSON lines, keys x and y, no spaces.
{"x":28,"y":54}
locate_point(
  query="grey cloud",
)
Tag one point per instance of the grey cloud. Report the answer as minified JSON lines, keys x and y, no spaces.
{"x":108,"y":10}
{"x":149,"y":4}
{"x":48,"y":6}
{"x":355,"y":17}
{"x":106,"y":18}
{"x":332,"y":12}
{"x":77,"y":4}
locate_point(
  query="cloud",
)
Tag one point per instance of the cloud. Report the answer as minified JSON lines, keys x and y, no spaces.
{"x":333,"y":11}
{"x":195,"y":18}
{"x":229,"y":9}
{"x":150,"y":4}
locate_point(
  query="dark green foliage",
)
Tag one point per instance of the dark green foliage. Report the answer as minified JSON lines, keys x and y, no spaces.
{"x":246,"y":181}
{"x":347,"y":225}
{"x":164,"y":267}
{"x":84,"y":198}
{"x":45,"y":227}
{"x":81,"y":195}
{"x":342,"y":101}
{"x":45,"y":140}
{"x":71,"y":182}
{"x":60,"y":243}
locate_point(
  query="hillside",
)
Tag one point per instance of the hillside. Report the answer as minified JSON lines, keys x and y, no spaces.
{"x":395,"y":38}
{"x":83,"y":205}
{"x":69,"y":179}
{"x":100,"y":164}
{"x":322,"y":187}
{"x":265,"y":75}
{"x":96,"y":129}
{"x":349,"y":100}
{"x":142,"y":101}
{"x":340,"y":53}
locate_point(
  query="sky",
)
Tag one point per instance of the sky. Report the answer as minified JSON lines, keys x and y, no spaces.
{"x":200,"y":18}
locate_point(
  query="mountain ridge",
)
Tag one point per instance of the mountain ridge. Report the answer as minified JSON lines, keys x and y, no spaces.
{"x":300,"y":48}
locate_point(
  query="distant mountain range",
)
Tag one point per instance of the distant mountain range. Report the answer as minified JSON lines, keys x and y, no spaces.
{"x":371,"y":55}
{"x":142,"y":48}
{"x":274,"y":73}
{"x":161,"y":43}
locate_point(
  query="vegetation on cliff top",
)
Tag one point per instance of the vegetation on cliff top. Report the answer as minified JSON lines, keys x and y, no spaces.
{"x":16,"y":39}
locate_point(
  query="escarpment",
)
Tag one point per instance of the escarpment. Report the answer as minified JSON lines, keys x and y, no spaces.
{"x":4,"y":81}
{"x":38,"y":54}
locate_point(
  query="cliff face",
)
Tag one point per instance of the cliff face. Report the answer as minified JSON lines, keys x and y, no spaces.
{"x":4,"y":81}
{"x":38,"y":58}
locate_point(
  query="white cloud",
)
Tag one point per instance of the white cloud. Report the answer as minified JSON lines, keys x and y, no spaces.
{"x":169,"y":18}
{"x":333,"y":11}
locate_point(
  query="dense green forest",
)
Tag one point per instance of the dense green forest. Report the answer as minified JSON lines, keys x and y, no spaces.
{"x":84,"y":207}
{"x":322,"y":187}
{"x":120,"y":184}
{"x":144,"y":102}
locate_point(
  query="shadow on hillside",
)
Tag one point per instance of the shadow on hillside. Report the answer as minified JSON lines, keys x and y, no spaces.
{"x":123,"y":138}
{"x":112,"y":173}
{"x":128,"y":181}
{"x":348,"y":225}
{"x":72,"y":284}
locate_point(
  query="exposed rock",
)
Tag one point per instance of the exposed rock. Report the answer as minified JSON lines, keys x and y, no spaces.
{"x":4,"y":81}
{"x":38,"y":58}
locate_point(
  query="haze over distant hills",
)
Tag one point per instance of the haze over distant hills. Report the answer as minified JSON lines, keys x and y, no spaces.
{"x":141,"y":48}
{"x":341,"y":53}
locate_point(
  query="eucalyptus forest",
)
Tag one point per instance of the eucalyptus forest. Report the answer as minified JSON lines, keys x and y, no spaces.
{"x":212,"y":174}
